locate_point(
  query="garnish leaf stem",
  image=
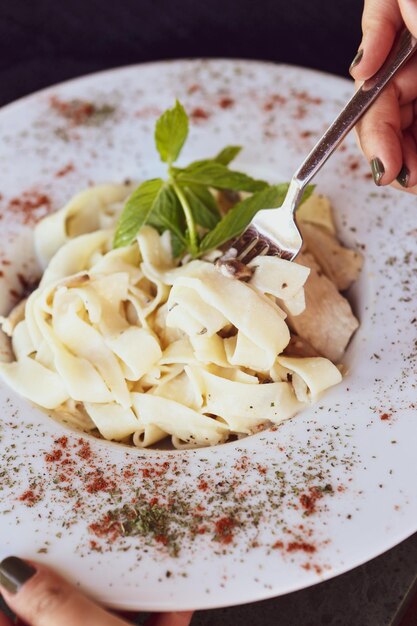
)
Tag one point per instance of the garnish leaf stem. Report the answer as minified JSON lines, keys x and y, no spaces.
{"x":185,"y":204}
{"x":191,"y":227}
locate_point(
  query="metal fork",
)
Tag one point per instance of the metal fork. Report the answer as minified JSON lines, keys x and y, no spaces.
{"x":274,"y":231}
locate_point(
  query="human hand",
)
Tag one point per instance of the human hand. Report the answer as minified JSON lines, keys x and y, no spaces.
{"x":42,"y":598}
{"x":388,"y":132}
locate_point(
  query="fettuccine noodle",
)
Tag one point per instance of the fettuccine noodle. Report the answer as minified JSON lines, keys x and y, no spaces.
{"x":128,"y":342}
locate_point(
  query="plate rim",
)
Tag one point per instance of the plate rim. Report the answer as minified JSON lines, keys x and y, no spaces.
{"x":257,"y":595}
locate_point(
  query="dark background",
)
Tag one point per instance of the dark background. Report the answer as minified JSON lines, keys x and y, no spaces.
{"x":46,"y":41}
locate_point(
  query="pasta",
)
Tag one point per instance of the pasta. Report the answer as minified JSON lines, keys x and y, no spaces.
{"x":130,"y":343}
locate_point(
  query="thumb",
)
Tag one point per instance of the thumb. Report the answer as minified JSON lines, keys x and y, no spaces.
{"x":408,"y":10}
{"x":42,"y":598}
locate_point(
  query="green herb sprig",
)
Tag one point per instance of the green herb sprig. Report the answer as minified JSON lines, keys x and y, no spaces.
{"x":184,"y":204}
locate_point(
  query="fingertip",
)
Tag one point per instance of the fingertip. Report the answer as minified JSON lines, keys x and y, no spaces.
{"x":378,"y":170}
{"x":382,"y":174}
{"x":14,"y":573}
{"x":31,"y":590}
{"x":385,"y":161}
{"x":354,"y":70}
{"x":407,"y":176}
{"x":408,"y":10}
{"x":380,"y":137}
{"x":385,"y":168}
{"x":411,"y":189}
{"x":364,"y":65}
{"x":403,"y":177}
{"x":379,"y":32}
{"x":368,"y":59}
{"x":48,"y":599}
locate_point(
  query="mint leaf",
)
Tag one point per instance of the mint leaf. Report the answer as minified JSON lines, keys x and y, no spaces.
{"x":203,"y":206}
{"x":154,"y":203}
{"x":224,"y":157}
{"x":137,"y":211}
{"x":171,"y":131}
{"x":184,"y":204}
{"x":213,"y":174}
{"x":168,"y":214}
{"x":236,"y":220}
{"x":227,"y":154}
{"x":177,"y":245}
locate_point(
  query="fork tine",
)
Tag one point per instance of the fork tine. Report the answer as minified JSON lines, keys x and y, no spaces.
{"x":251,"y":244}
{"x":246,"y":242}
{"x":260,"y":248}
{"x":245,"y":248}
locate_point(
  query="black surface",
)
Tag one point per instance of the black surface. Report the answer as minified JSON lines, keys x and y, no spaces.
{"x":44,"y":41}
{"x":371,"y":595}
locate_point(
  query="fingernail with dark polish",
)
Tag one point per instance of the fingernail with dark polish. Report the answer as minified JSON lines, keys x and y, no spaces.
{"x":403,"y":176}
{"x":14,"y":573}
{"x":378,"y":170}
{"x":356,"y":60}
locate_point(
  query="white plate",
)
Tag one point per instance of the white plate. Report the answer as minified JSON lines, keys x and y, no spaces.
{"x":369,"y":463}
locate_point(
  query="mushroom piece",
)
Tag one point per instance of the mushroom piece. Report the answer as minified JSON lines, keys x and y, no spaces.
{"x":339,"y":264}
{"x":299,"y":347}
{"x":327,"y":323}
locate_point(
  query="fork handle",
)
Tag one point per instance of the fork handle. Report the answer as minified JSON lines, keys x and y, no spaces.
{"x":402,"y":49}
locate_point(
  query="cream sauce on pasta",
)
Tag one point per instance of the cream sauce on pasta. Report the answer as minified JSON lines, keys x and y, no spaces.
{"x":126,"y":341}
